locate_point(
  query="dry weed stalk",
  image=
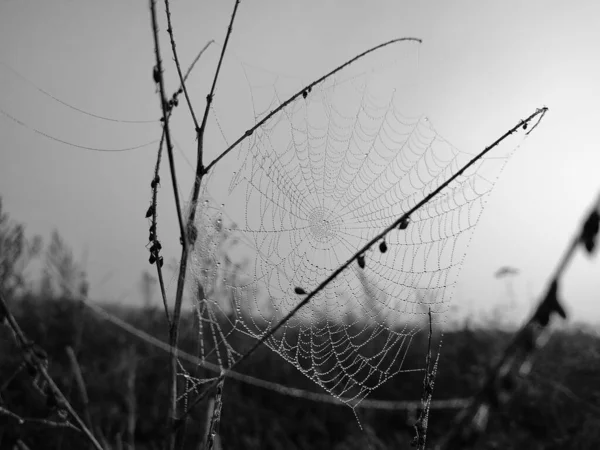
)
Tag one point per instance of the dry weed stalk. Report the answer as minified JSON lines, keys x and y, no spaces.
{"x":422,"y":422}
{"x":79,"y":382}
{"x":35,"y":357}
{"x":516,"y":361}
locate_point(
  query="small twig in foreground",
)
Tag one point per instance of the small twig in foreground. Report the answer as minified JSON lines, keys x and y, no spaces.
{"x":501,"y":381}
{"x":35,"y":360}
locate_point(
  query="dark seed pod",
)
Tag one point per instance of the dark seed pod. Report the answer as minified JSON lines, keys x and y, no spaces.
{"x":299,"y":291}
{"x":361,"y":261}
{"x":151,"y":237}
{"x":590,"y":231}
{"x":403,"y":224}
{"x":525,"y":126}
{"x":152,"y":259}
{"x":304,"y":94}
{"x":383,"y":247}
{"x":156,"y":74}
{"x":150,"y":211}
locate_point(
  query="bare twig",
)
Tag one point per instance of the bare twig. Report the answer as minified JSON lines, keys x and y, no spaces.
{"x":516,"y":360}
{"x":131,"y":398}
{"x":176,"y":59}
{"x":213,"y":428}
{"x":173,"y":330}
{"x":80,"y":386}
{"x":188,"y":238}
{"x":421,"y":424}
{"x":301,"y":92}
{"x":155,"y":249}
{"x":165,"y":108}
{"x":400,"y":222}
{"x":37,"y":422}
{"x":36,"y":361}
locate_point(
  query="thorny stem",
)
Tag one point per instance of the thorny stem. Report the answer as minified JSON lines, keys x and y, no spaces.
{"x":165,"y":118}
{"x":23,"y":344}
{"x":402,"y":219}
{"x":497,"y":388}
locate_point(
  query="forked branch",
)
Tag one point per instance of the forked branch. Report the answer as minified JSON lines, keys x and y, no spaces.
{"x":32,"y":356}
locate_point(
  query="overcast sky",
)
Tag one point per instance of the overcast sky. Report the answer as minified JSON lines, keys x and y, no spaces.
{"x":482,"y":67}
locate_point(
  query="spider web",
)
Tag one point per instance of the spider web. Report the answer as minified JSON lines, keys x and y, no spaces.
{"x":299,"y":197}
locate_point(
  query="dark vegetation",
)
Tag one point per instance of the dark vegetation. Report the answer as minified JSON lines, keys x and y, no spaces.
{"x":557,"y":407}
{"x":122,"y":389}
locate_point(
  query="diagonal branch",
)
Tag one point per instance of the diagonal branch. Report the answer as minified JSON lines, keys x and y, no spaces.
{"x":301,"y":92}
{"x":188,"y":239}
{"x":32,"y":356}
{"x":401,"y":223}
{"x":501,"y":381}
{"x":154,"y":185}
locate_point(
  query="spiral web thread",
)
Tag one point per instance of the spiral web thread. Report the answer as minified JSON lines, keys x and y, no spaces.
{"x":309,"y":188}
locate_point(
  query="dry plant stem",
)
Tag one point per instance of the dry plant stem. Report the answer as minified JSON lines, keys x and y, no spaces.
{"x":34,"y":421}
{"x":173,"y":328}
{"x":420,"y":438}
{"x":80,"y":386}
{"x":213,"y":428}
{"x":131,"y":399}
{"x":161,"y":280}
{"x":22,"y":342}
{"x":498,"y":386}
{"x":166,"y":116}
{"x":155,"y":187}
{"x":176,"y":58}
{"x":300,"y":92}
{"x":188,"y":238}
{"x":367,"y":246}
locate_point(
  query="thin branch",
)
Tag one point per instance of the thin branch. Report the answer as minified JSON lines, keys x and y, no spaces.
{"x":213,"y":428}
{"x":35,"y":360}
{"x":173,"y":330}
{"x":500,"y":383}
{"x":400,"y":222}
{"x":156,"y":181}
{"x":37,"y":422}
{"x":176,"y":58}
{"x":80,"y":386}
{"x":188,"y":239}
{"x":301,"y":92}
{"x":159,"y":79}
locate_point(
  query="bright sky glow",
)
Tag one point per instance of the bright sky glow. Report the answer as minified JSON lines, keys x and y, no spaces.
{"x":482,"y":67}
